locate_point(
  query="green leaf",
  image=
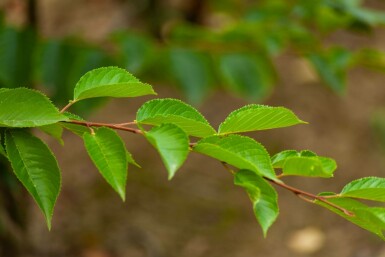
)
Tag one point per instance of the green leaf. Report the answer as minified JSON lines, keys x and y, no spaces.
{"x":262,"y":195}
{"x":36,"y":167}
{"x":239,"y":151}
{"x":108,"y":153}
{"x":279,"y":159}
{"x":370,"y":188}
{"x":130,"y":159}
{"x":172,"y":144}
{"x":112,"y":82}
{"x":192,"y":71}
{"x":332,"y":66}
{"x":309,"y":166}
{"x":369,"y":218}
{"x":251,"y":76}
{"x":304,"y":163}
{"x":258,"y":117}
{"x":54,"y":130}
{"x":158,"y":111}
{"x":22,"y":107}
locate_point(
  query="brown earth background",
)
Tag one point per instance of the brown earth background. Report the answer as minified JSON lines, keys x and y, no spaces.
{"x":200,"y":212}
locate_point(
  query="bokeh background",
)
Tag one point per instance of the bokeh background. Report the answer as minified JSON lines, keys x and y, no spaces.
{"x":323,"y":59}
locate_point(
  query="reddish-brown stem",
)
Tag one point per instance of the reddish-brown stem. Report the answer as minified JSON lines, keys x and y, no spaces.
{"x":108,"y":125}
{"x":310,"y":195}
{"x":300,"y":193}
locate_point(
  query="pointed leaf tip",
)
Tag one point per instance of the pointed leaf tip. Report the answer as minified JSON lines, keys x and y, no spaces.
{"x":258,"y":117}
{"x":172,"y":144}
{"x":262,"y":195}
{"x":369,"y":188}
{"x":108,"y":153}
{"x":36,"y":167}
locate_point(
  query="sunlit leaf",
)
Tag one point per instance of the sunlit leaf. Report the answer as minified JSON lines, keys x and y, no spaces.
{"x":110,"y":82}
{"x":370,"y":188}
{"x":258,"y":117}
{"x":158,"y":111}
{"x":304,"y":163}
{"x":239,"y":151}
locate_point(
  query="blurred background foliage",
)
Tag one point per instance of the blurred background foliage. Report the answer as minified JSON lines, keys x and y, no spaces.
{"x":199,"y":47}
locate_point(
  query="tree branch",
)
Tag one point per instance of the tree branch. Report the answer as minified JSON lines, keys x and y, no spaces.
{"x":108,"y":125}
{"x":302,"y":193}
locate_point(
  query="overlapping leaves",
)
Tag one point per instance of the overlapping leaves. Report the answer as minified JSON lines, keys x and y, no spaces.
{"x":304,"y":163}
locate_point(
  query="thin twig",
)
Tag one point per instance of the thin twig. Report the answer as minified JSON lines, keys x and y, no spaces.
{"x":67,"y":106}
{"x":310,"y":195}
{"x":127,"y":123}
{"x":108,"y":125}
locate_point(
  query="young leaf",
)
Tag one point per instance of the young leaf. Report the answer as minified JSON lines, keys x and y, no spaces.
{"x":263,"y":196}
{"x":172,"y":144}
{"x":239,"y":151}
{"x":36,"y":167}
{"x":112,"y":82}
{"x":304,"y":163}
{"x":108,"y":153}
{"x":54,"y":130}
{"x":309,"y":166}
{"x":22,"y":107}
{"x":369,"y":218}
{"x":279,"y":159}
{"x":258,"y":117}
{"x":370,"y":188}
{"x":158,"y":111}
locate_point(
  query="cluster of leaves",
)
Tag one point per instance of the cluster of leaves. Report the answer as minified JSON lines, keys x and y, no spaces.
{"x":170,"y":125}
{"x":237,"y":53}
